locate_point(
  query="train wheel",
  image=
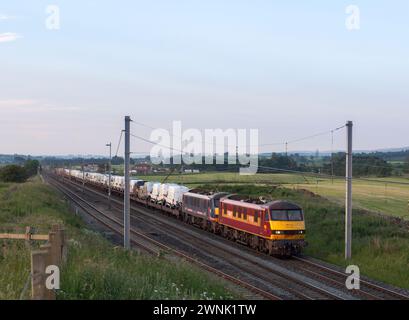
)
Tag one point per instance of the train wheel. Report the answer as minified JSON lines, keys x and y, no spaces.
{"x":270,"y":247}
{"x":215,"y":227}
{"x":225,"y":232}
{"x":253,"y":242}
{"x":260,"y":245}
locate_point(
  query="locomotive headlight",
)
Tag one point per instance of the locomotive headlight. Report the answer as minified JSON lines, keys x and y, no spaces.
{"x":301,"y":231}
{"x":277,"y":232}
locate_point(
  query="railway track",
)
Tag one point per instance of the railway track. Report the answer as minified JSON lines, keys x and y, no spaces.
{"x":274,"y":276}
{"x":367,"y":288}
{"x":113,"y":223}
{"x":310,"y":280}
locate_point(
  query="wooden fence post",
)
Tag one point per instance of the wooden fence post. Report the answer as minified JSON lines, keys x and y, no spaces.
{"x":60,"y":242}
{"x":52,"y":253}
{"x":55,"y":248}
{"x":48,"y":294}
{"x":29,"y":232}
{"x":38,"y":265}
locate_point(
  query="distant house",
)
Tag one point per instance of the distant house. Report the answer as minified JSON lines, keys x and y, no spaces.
{"x":191,"y":171}
{"x":91,"y":167}
{"x":142,"y":168}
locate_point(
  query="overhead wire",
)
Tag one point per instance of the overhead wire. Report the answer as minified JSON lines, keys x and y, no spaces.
{"x":119,"y":143}
{"x":259,"y":145}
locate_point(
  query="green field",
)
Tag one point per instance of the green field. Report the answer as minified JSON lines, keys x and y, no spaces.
{"x":381,"y":197}
{"x":384,"y":198}
{"x":95,"y":268}
{"x":226,"y":177}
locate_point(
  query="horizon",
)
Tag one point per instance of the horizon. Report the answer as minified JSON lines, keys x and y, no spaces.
{"x":295,"y":152}
{"x":287,"y":70}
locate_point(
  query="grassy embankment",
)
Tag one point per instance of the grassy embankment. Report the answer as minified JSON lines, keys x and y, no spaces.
{"x":95,"y":268}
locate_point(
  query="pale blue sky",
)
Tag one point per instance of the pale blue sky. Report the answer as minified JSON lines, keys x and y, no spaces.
{"x":288,"y":68}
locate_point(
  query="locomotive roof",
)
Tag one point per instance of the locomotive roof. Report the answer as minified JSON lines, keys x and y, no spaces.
{"x":282,"y":205}
{"x":204,"y":193}
{"x":241,"y":198}
{"x":255,"y":203}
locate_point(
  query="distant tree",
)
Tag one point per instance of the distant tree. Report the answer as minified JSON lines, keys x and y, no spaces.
{"x":362,"y":165}
{"x":117,"y":160}
{"x":31,"y":167}
{"x":278,"y":161}
{"x":13,"y":173}
{"x":406,"y":165}
{"x":19,"y":159}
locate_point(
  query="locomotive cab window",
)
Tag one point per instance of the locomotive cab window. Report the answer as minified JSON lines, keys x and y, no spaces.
{"x":295,"y":215}
{"x":286,"y":215}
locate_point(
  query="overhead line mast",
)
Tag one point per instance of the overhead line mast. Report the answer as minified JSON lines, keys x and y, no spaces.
{"x":348,"y":195}
{"x":127,"y":201}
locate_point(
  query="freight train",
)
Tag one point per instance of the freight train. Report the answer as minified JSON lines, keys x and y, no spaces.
{"x":275,"y":227}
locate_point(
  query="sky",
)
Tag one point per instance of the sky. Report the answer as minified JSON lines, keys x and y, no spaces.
{"x":287,"y":68}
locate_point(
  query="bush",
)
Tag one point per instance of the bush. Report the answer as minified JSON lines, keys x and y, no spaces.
{"x":31,"y":167}
{"x":16,"y":173}
{"x":13,"y":173}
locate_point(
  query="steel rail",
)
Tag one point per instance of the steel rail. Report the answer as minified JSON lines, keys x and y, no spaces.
{"x":366,"y":283}
{"x":224,"y":275}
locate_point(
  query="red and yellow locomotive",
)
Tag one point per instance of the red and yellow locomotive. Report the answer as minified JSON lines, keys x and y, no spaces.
{"x":276,"y":227}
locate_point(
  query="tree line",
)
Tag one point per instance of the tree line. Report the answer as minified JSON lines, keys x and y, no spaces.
{"x":364,"y":164}
{"x":19,"y":173}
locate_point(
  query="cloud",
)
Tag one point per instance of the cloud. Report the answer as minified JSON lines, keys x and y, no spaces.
{"x":30,"y":106}
{"x":6,"y":17}
{"x":9,"y":36}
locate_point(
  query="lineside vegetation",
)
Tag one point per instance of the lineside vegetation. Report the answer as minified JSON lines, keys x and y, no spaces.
{"x":95,"y":268}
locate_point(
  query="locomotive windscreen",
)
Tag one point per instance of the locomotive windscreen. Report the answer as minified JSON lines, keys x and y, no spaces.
{"x":286,"y":215}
